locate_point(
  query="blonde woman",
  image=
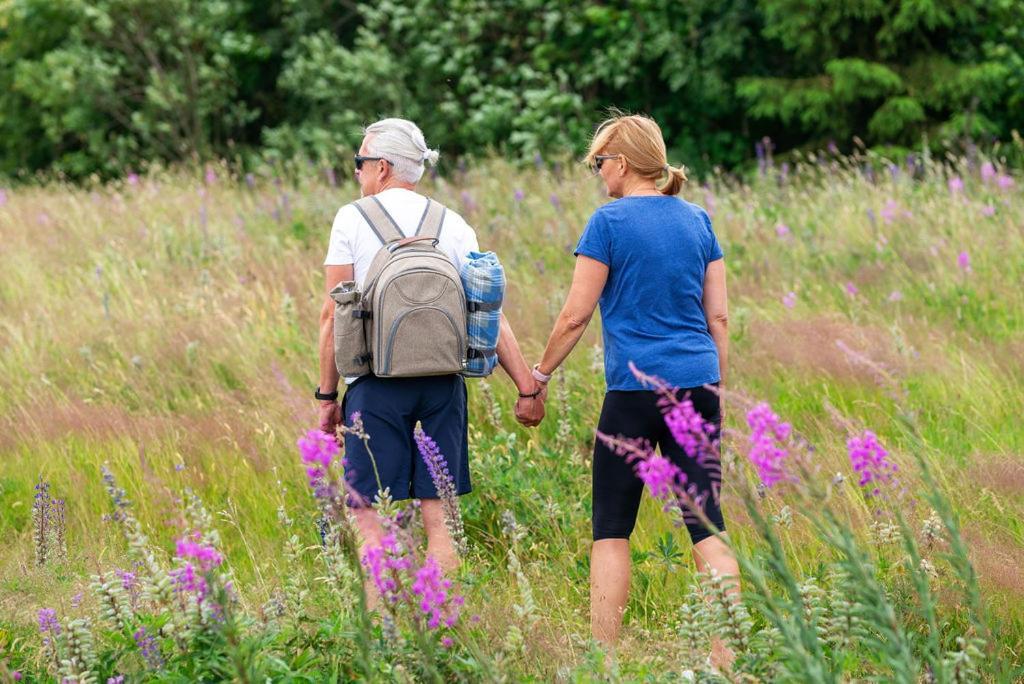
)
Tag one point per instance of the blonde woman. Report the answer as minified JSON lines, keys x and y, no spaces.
{"x":653,"y":263}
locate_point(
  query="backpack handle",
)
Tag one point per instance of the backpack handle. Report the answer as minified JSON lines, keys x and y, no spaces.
{"x":410,"y":240}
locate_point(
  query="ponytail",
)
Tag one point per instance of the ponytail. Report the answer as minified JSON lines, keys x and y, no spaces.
{"x":674,"y":183}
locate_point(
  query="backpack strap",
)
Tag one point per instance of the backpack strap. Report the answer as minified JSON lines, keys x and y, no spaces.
{"x":432,"y":220}
{"x":380,"y":221}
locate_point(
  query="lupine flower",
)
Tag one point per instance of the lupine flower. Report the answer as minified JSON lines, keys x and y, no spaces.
{"x":48,"y":622}
{"x":117,"y":679}
{"x":117,"y":495}
{"x":318,"y":450}
{"x":150,"y":649}
{"x":789,"y":300}
{"x":1004,"y":181}
{"x":709,"y":202}
{"x":963,"y":260}
{"x":555,"y":202}
{"x":660,"y":475}
{"x":689,"y":428}
{"x":467,"y":202}
{"x":781,"y":230}
{"x":76,"y":600}
{"x":519,"y":195}
{"x":437,"y":466}
{"x":433,"y":592}
{"x":250,"y":180}
{"x":871,"y":461}
{"x":988,"y":172}
{"x":956,"y":184}
{"x":332,"y":179}
{"x":187,"y":581}
{"x":767,"y":436}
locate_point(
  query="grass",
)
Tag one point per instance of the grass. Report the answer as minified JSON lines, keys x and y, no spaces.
{"x":168,"y":329}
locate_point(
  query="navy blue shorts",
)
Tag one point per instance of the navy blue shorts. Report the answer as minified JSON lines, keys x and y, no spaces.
{"x":390,"y":409}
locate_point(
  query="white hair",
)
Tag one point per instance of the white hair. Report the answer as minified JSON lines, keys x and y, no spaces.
{"x":401,"y":143}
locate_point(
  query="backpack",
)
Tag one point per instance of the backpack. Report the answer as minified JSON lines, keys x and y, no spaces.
{"x":413,"y":305}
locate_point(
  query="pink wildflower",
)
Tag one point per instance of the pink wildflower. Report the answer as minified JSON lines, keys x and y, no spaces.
{"x":767,"y":436}
{"x":956,"y":185}
{"x":782,"y":230}
{"x":789,"y":301}
{"x":660,"y":475}
{"x":871,"y":461}
{"x":963,"y":260}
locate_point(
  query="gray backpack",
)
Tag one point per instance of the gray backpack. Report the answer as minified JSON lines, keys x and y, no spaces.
{"x":410,"y":318}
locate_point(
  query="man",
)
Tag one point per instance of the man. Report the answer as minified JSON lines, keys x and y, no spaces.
{"x":389,"y":165}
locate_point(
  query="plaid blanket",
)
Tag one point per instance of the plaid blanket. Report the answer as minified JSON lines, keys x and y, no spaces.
{"x":483,"y":279}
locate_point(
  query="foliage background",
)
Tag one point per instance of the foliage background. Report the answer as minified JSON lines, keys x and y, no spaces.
{"x":109,"y":86}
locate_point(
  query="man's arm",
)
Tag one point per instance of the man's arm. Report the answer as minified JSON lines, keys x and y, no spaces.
{"x":529,"y":412}
{"x":330,"y":411}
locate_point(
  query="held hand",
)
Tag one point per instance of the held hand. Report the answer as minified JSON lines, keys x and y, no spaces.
{"x":530,"y":412}
{"x":330,"y":416}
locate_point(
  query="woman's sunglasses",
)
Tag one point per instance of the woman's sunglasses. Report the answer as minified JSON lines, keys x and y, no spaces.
{"x":360,"y":159}
{"x":600,"y":159}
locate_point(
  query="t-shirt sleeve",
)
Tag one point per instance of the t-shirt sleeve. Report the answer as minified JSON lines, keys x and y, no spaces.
{"x":465,"y":240}
{"x":595,"y":241}
{"x":342,"y":250}
{"x":711,"y":247}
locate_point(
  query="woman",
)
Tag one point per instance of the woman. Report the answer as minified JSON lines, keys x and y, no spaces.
{"x":655,"y":266}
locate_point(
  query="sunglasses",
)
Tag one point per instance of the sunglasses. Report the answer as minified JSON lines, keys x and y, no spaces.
{"x":360,"y":159}
{"x":600,"y":159}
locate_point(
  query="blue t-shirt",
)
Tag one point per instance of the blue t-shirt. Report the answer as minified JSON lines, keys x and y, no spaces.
{"x":657,"y":249}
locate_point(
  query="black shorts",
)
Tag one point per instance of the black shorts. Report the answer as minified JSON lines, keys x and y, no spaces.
{"x":617,"y":489}
{"x":390,"y":408}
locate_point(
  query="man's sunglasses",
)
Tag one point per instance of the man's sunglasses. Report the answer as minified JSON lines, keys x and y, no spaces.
{"x":360,"y":159}
{"x":601,"y":159}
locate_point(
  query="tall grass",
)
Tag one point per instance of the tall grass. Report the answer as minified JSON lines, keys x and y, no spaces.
{"x":167,"y":328}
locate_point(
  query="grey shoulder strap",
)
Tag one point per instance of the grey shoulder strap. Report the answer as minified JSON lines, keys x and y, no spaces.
{"x":381,"y":223}
{"x":432,"y":220}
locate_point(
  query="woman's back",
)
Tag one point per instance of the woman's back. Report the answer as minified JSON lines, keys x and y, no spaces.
{"x":657,"y":249}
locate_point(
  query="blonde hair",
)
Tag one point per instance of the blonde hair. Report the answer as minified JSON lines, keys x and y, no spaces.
{"x":638,"y":139}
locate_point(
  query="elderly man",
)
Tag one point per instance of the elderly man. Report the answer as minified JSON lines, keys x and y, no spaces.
{"x":388,"y":166}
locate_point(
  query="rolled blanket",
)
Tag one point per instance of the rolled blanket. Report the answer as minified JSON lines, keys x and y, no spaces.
{"x":483,"y":279}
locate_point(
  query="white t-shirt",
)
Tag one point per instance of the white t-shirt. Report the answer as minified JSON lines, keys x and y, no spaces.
{"x":353,"y":242}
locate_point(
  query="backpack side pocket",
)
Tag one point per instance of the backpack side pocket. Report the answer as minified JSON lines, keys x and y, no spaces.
{"x":351,"y":355}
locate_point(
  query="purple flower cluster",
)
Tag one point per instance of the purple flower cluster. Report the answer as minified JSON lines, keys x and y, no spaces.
{"x":871,"y":461}
{"x":689,"y":428}
{"x":435,"y":596}
{"x":207,"y":556}
{"x":150,"y":649}
{"x":767,"y":436}
{"x":437,"y":466}
{"x":386,"y":564}
{"x":662,"y":477}
{"x":318,"y":449}
{"x":49,"y":625}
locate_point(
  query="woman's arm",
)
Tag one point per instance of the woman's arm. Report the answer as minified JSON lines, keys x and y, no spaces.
{"x":716,"y":310}
{"x":588,"y":282}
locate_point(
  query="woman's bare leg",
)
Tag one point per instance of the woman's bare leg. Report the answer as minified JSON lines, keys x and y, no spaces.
{"x":609,"y":588}
{"x":714,"y":554}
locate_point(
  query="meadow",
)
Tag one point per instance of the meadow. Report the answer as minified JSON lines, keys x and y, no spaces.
{"x":165,"y":326}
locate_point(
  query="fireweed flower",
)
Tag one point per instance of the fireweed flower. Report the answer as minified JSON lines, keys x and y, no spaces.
{"x":988,"y":210}
{"x":851,"y":289}
{"x":963,"y":260}
{"x":782,"y":230}
{"x":767,"y":435}
{"x":988,"y":172}
{"x":318,"y":450}
{"x":956,"y":185}
{"x":1004,"y":181}
{"x":888,"y":212}
{"x":871,"y":461}
{"x":437,"y":466}
{"x":689,"y":429}
{"x":660,"y":475}
{"x":895,"y":296}
{"x":789,"y":301}
{"x":434,"y":595}
{"x":519,"y":195}
{"x":386,"y":564}
{"x":207,"y":556}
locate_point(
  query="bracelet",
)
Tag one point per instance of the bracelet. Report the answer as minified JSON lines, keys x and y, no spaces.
{"x":329,"y":396}
{"x":540,"y":377}
{"x":531,"y":396}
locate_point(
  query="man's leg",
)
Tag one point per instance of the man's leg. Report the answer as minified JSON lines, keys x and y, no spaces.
{"x":439,"y":540}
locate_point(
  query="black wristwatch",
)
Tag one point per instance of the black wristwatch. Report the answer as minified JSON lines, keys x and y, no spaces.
{"x":330,"y":396}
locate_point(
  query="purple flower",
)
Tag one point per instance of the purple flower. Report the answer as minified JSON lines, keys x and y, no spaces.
{"x":689,"y":428}
{"x":437,"y":466}
{"x":132,"y":178}
{"x":851,"y":289}
{"x":207,"y":556}
{"x":467,"y":202}
{"x":1004,"y":181}
{"x":250,"y":180}
{"x":660,"y":475}
{"x":211,"y":176}
{"x":988,"y":172}
{"x":519,"y":195}
{"x":963,"y":260}
{"x":48,"y":622}
{"x":895,"y":296}
{"x":76,"y":600}
{"x":709,"y":202}
{"x":386,"y":563}
{"x":871,"y":461}
{"x":888,"y":212}
{"x":150,"y":649}
{"x":781,"y":230}
{"x":555,"y":202}
{"x":3,"y":197}
{"x":16,"y":676}
{"x":118,"y":679}
{"x":317,"y":450}
{"x":789,"y":301}
{"x":767,"y":437}
{"x":186,"y":580}
{"x":433,"y":593}
{"x":956,"y":185}
{"x":988,"y":210}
